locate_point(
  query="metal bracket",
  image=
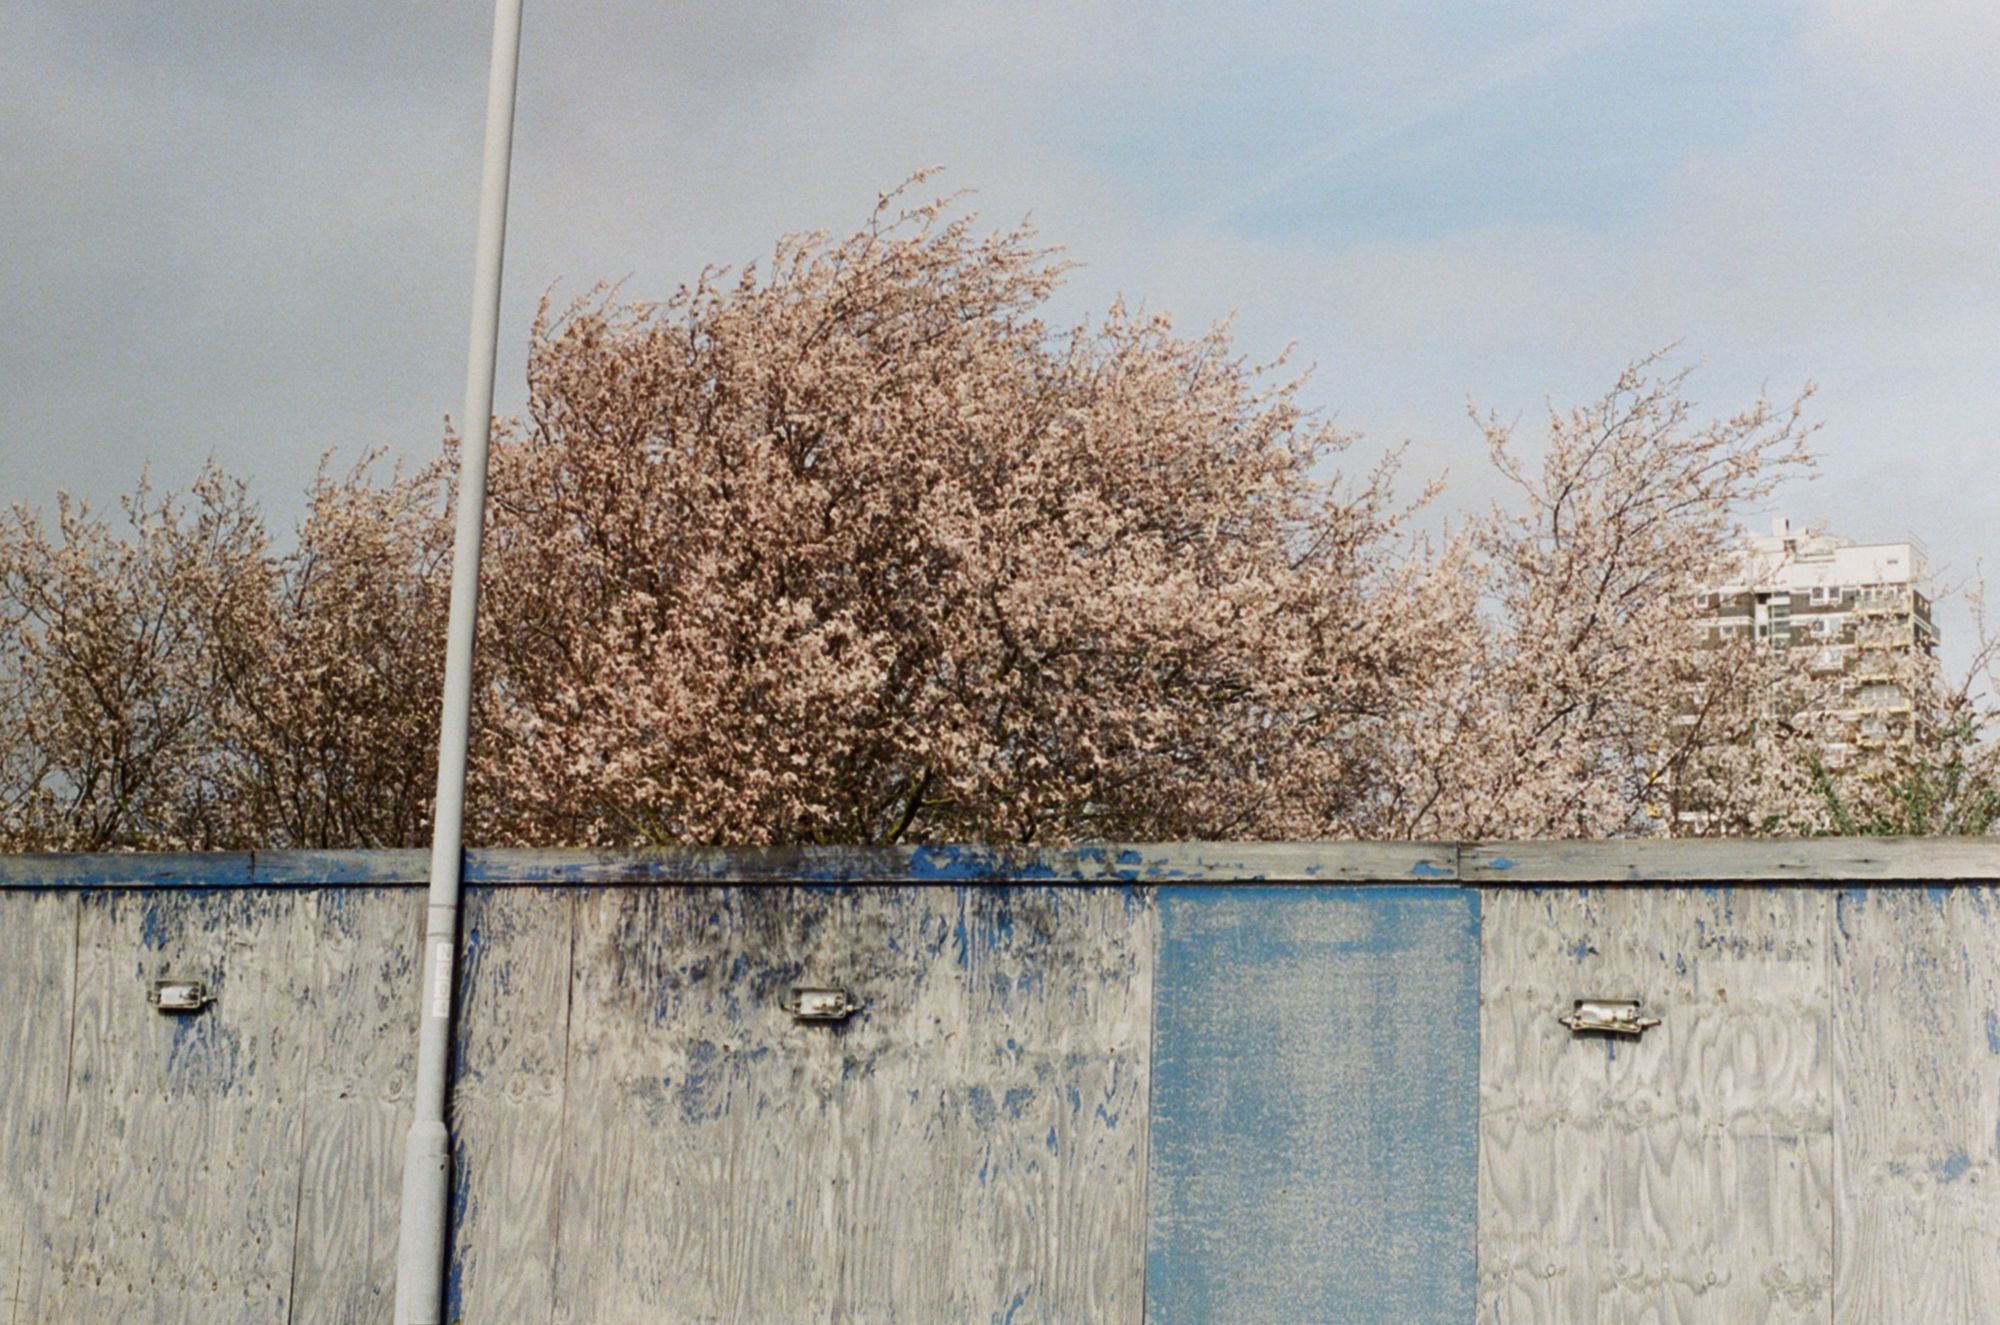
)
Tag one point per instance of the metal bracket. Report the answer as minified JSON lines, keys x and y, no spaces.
{"x":1608,"y":1016}
{"x":813,"y":1004}
{"x":179,"y":995}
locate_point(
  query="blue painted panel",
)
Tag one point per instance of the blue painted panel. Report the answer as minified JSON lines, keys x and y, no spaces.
{"x":1315,"y":1106}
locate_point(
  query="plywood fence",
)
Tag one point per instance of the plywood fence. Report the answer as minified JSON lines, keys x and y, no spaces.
{"x":1168,"y":1084}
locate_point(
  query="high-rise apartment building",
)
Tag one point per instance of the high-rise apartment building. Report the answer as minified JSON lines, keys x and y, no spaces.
{"x":1852,"y":614}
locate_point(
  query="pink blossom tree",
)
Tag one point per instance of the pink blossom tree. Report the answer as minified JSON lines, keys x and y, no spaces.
{"x":327,"y":697}
{"x":859,"y":549}
{"x":1582,"y":693}
{"x":106,"y":683}
{"x":169,"y":681}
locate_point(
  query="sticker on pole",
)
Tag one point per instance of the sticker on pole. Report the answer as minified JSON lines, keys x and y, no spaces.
{"x":441,"y":980}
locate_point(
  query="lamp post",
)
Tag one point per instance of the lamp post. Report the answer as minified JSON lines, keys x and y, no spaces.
{"x":426,"y":1208}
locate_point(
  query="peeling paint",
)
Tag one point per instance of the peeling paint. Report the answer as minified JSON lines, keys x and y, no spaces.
{"x":153,"y":931}
{"x":1952,"y":1167}
{"x":461,"y":1207}
{"x":964,"y":981}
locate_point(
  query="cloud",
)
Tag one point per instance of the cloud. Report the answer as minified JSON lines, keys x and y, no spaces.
{"x":1944,"y":44}
{"x":246,"y":228}
{"x":214,"y":252}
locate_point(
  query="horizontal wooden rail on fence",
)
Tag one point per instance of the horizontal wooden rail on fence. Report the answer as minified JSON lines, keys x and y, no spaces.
{"x":1485,"y":864}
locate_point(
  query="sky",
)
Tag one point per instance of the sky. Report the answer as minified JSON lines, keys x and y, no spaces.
{"x":243,"y":231}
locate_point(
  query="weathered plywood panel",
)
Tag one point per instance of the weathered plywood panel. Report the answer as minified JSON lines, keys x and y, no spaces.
{"x":968,"y":1147}
{"x":357,"y":1103}
{"x":182,"y":1154}
{"x":508,"y":1102}
{"x":1916,"y":1017}
{"x":37,"y":970}
{"x":1315,"y":1089}
{"x":1684,"y":1177}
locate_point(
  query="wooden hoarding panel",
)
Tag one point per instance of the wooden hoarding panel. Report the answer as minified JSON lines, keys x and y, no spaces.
{"x":1685,"y":1176}
{"x":967,"y":1146}
{"x":510,"y":1104}
{"x":1916,"y":1048}
{"x":1315,"y":1087}
{"x":182,"y":1155}
{"x":37,"y":988}
{"x":357,"y":1102}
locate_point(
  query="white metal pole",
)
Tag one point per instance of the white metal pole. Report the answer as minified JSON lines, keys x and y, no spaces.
{"x":426,"y":1208}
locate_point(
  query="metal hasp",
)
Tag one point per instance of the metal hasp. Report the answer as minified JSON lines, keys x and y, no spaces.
{"x":809,"y":1004}
{"x":1608,"y":1016}
{"x":178,"y":995}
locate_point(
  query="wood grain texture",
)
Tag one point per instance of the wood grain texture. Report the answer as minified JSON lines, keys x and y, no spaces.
{"x":968,"y":1147}
{"x":1152,"y":862}
{"x":1315,"y":1091}
{"x":155,"y":869}
{"x":1917,"y":1115}
{"x":1735,"y":860}
{"x":356,"y":1103}
{"x":182,"y":1153}
{"x":1684,"y":1177}
{"x":1813,"y":1133}
{"x":1486,"y":864}
{"x":37,"y":985}
{"x":382,"y":867}
{"x":508,"y":1103}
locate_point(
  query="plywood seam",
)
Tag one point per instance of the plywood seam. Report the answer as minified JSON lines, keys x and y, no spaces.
{"x":69,"y":1082}
{"x":14,"y":1301}
{"x":1152,"y":1065}
{"x":75,"y":968}
{"x":1834,"y":956}
{"x":562,"y":1115}
{"x":305,"y":1136}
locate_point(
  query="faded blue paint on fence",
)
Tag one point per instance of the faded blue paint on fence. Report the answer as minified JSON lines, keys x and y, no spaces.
{"x":220,"y":869}
{"x":1315,"y":1106}
{"x":792,"y":866}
